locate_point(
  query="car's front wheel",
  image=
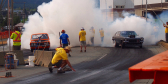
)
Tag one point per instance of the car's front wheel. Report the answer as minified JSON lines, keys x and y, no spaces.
{"x":140,"y":46}
{"x":122,"y":45}
{"x":116,"y":44}
{"x":47,"y":49}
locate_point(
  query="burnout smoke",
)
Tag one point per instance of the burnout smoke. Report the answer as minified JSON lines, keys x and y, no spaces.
{"x":71,"y":15}
{"x":56,"y":15}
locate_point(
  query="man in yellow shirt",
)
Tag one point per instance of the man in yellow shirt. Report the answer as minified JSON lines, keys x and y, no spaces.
{"x":101,"y":31}
{"x":60,"y":60}
{"x":166,"y":31}
{"x":16,"y":36}
{"x":82,"y":38}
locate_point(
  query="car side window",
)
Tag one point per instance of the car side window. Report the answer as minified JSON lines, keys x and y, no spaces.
{"x":118,"y":34}
{"x":115,"y":34}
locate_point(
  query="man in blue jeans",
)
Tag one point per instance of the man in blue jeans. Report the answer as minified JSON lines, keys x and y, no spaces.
{"x":65,"y":40}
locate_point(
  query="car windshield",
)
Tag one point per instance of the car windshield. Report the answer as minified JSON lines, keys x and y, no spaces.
{"x":127,"y":33}
{"x":43,"y":36}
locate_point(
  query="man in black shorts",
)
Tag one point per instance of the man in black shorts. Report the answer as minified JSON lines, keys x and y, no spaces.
{"x":65,"y":40}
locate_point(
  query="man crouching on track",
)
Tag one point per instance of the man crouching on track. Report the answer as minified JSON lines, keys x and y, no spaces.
{"x":60,"y":60}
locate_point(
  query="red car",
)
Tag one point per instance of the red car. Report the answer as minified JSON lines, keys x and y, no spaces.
{"x":39,"y":41}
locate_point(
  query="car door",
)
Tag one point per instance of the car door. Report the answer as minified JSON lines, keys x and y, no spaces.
{"x":117,"y":37}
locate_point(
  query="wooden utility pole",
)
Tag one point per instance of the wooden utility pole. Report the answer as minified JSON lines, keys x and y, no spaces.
{"x":12,"y":15}
{"x":9,"y":25}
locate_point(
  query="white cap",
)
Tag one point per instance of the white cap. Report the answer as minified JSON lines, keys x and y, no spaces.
{"x":82,"y":28}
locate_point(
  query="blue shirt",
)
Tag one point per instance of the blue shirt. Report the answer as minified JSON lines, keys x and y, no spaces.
{"x":64,"y":37}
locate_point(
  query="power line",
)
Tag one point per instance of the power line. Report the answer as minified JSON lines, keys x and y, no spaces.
{"x":156,"y":14}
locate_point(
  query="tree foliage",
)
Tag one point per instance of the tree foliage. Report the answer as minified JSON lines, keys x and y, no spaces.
{"x":16,"y":19}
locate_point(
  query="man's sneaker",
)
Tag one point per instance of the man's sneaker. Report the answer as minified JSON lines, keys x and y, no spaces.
{"x":50,"y":69}
{"x":81,"y":51}
{"x":66,"y":69}
{"x":60,"y":71}
{"x":85,"y":50}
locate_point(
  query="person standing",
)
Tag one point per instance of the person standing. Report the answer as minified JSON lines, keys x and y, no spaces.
{"x":60,"y":60}
{"x":65,"y":40}
{"x":92,"y":30}
{"x":82,"y":38}
{"x":16,"y":36}
{"x":101,"y":31}
{"x":166,"y":31}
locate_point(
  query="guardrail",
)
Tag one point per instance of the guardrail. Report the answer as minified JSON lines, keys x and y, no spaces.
{"x":155,"y":68}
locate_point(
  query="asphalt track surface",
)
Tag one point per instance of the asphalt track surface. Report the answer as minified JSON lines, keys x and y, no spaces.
{"x":111,"y":68}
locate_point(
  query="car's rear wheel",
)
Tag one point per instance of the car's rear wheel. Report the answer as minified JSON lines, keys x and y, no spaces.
{"x":116,"y":44}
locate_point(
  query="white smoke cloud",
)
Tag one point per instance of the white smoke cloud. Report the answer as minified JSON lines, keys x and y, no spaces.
{"x":57,"y":15}
{"x":71,"y":15}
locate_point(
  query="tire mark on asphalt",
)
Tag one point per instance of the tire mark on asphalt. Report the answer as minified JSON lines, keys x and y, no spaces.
{"x":93,"y":73}
{"x":31,"y":79}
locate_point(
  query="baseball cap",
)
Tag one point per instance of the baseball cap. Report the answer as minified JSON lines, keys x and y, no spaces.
{"x":82,"y":28}
{"x":68,"y":48}
{"x":63,"y":31}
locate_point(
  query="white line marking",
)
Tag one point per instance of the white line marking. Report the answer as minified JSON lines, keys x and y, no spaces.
{"x":85,"y":76}
{"x":101,"y":57}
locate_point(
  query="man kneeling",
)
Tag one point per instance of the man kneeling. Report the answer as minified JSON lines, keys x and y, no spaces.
{"x":60,"y":60}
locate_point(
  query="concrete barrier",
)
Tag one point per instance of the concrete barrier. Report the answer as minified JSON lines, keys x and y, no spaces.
{"x":43,"y":58}
{"x":155,"y":67}
{"x":19,"y":55}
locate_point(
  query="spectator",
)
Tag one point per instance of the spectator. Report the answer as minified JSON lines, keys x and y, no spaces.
{"x":65,"y":40}
{"x":166,"y":31}
{"x":82,"y":38}
{"x":101,"y":31}
{"x":92,"y":35}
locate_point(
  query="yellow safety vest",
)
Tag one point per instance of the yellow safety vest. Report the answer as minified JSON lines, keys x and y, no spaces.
{"x":16,"y":36}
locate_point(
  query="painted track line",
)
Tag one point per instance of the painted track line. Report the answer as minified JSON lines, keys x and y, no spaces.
{"x":101,"y":57}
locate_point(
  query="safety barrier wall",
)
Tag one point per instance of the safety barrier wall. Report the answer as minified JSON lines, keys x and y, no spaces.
{"x":19,"y":56}
{"x":43,"y":58}
{"x":155,"y":68}
{"x":5,"y":34}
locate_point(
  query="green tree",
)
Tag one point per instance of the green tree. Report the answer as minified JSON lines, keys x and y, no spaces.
{"x":1,"y":20}
{"x":16,"y":19}
{"x":5,"y":21}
